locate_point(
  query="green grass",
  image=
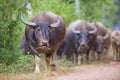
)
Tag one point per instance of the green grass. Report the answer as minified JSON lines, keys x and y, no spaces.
{"x":23,"y":69}
{"x":25,"y":64}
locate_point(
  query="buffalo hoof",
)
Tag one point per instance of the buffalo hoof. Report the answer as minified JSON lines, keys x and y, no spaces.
{"x":98,"y":59}
{"x":88,"y":62}
{"x":118,"y":60}
{"x":115,"y":59}
{"x":53,"y":67}
{"x":37,"y":71}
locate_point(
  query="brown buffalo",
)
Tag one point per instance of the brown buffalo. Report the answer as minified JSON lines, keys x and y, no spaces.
{"x":115,"y":39}
{"x":102,"y":42}
{"x":43,"y":34}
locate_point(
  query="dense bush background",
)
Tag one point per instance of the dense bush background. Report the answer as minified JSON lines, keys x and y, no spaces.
{"x":11,"y":29}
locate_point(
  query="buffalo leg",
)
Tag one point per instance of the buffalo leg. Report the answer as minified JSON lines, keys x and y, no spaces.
{"x":53,"y":66}
{"x":87,"y":56}
{"x":79,"y":59}
{"x":92,"y":55}
{"x":74,"y":59}
{"x":99,"y":56}
{"x":37,"y":62}
{"x":119,"y":53}
{"x":48,"y":62}
{"x":105,"y":53}
{"x":114,"y":53}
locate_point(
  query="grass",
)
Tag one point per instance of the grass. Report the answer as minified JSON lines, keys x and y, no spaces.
{"x":63,"y":67}
{"x":23,"y":69}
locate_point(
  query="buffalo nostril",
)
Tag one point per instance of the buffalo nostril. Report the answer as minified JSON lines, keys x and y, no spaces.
{"x":82,"y":44}
{"x":99,"y":51}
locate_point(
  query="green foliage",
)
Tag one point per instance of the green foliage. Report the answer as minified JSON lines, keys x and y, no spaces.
{"x":93,"y":10}
{"x":25,"y":64}
{"x":90,"y":10}
{"x":60,"y":7}
{"x":10,"y":30}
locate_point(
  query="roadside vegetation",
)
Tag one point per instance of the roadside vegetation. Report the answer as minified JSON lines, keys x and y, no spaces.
{"x":12,"y":60}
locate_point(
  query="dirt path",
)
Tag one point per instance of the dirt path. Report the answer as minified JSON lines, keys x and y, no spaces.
{"x":109,"y":71}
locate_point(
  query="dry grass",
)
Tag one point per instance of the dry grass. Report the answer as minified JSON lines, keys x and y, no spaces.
{"x":63,"y":67}
{"x":30,"y":76}
{"x":44,"y":75}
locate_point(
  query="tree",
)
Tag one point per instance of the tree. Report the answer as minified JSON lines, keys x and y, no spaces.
{"x":9,"y":29}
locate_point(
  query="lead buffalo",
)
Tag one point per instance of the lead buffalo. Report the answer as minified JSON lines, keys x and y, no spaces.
{"x":102,"y":42}
{"x":80,"y":37}
{"x":116,"y":44}
{"x":43,"y":34}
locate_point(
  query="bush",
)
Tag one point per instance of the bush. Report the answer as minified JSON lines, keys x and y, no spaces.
{"x":10,"y":31}
{"x":11,"y":28}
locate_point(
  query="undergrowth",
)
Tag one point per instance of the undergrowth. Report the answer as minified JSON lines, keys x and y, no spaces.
{"x":25,"y":64}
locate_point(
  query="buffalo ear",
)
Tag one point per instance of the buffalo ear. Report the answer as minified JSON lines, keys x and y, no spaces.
{"x":113,"y":38}
{"x":106,"y":36}
{"x":51,"y":29}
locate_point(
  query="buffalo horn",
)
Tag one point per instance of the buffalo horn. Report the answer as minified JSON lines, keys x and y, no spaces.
{"x":76,"y":31}
{"x":57,"y":23}
{"x":32,"y":24}
{"x":106,"y":36}
{"x":93,"y":31}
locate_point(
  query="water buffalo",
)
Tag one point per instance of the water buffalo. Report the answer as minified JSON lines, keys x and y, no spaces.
{"x":102,"y":42}
{"x":43,"y":34}
{"x":80,"y":37}
{"x":115,"y":39}
{"x":64,"y":51}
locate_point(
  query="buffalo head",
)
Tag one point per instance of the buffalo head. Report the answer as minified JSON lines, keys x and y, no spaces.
{"x":116,"y":37}
{"x":82,"y":37}
{"x":41,"y":30}
{"x":99,"y":44}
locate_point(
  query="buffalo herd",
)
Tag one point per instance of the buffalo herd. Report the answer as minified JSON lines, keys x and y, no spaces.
{"x":46,"y":34}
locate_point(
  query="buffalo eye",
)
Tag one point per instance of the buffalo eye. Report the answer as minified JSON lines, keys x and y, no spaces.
{"x":113,"y":38}
{"x":38,"y":29}
{"x":77,"y":35}
{"x":90,"y":36}
{"x":51,"y":29}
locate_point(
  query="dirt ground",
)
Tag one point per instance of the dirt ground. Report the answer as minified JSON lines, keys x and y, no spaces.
{"x":110,"y":71}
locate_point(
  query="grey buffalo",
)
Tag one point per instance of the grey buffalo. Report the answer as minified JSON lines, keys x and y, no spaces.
{"x":80,"y":37}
